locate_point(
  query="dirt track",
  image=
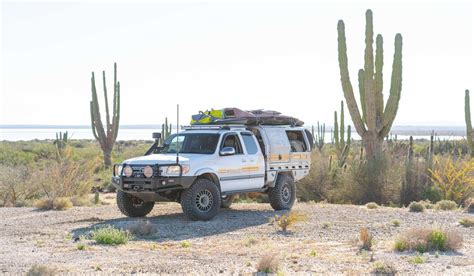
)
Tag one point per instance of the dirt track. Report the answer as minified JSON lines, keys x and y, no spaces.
{"x":233,"y":242}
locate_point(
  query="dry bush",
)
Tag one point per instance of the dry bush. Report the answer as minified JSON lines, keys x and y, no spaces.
{"x":469,"y":204}
{"x":416,"y":207}
{"x":15,"y":186}
{"x":454,"y":179}
{"x":381,"y":268}
{"x":366,"y":239}
{"x":81,"y":201}
{"x":287,"y":221}
{"x":372,"y":205}
{"x":41,"y":270}
{"x":142,"y":228}
{"x":446,"y":205}
{"x":59,"y":203}
{"x":428,"y":239}
{"x":269,"y":263}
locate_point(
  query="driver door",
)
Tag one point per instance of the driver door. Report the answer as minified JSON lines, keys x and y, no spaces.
{"x":230,"y":166}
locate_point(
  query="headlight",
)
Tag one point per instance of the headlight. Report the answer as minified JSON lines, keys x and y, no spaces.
{"x":127,"y":171}
{"x":175,"y":170}
{"x":118,"y":170}
{"x":148,"y":171}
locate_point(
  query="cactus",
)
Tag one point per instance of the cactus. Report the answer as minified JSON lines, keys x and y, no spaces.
{"x":319,"y":138}
{"x":372,"y":122}
{"x":106,"y":138}
{"x":469,"y":132}
{"x":165,"y":131}
{"x":342,"y":146}
{"x":61,"y":142}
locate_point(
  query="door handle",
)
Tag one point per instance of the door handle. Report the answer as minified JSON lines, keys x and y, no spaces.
{"x":244,"y":160}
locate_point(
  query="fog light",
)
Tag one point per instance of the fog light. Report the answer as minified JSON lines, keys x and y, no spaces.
{"x":148,"y":171}
{"x":127,"y":171}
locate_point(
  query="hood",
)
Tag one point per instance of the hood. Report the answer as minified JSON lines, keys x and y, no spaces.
{"x":160,"y":159}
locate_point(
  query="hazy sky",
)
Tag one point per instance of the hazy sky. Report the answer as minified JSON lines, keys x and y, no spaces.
{"x":280,"y":56}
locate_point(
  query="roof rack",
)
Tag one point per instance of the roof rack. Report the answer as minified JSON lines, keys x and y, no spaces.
{"x":213,"y":126}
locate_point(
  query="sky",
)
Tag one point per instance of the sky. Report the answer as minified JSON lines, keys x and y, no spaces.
{"x":278,"y":55}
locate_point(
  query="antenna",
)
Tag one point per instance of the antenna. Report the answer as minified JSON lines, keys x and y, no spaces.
{"x":177,"y":133}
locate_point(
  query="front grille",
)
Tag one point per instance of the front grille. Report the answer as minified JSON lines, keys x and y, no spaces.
{"x":138,"y":171}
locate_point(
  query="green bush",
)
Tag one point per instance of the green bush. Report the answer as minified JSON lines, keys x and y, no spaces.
{"x":428,"y":239}
{"x":110,"y":235}
{"x":446,"y":205}
{"x":372,"y":205}
{"x":416,"y":207}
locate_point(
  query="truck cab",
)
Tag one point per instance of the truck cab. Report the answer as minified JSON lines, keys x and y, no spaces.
{"x":204,"y":166}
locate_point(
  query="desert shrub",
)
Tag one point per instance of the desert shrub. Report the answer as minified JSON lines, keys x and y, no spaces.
{"x":15,"y":186}
{"x":427,"y":204}
{"x":446,"y":205}
{"x":366,"y":239}
{"x":58,"y":203}
{"x":185,"y":244}
{"x":287,"y":221}
{"x":416,"y":207}
{"x":395,"y":222}
{"x":81,"y":246}
{"x":83,"y":200}
{"x":417,"y":260}
{"x":249,"y":241}
{"x":315,"y":186}
{"x":469,"y":204}
{"x":269,"y":263}
{"x":381,"y":268}
{"x":467,"y":222}
{"x":371,"y":205}
{"x":415,"y":182}
{"x":142,"y":228}
{"x":428,"y":239}
{"x":110,"y":235}
{"x":41,"y":270}
{"x":455,"y":179}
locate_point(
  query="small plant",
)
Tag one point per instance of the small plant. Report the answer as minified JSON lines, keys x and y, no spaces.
{"x":41,"y":270}
{"x":142,"y":228}
{"x":110,"y":235}
{"x":326,"y":225}
{"x":427,"y":204}
{"x":366,"y":238}
{"x":81,"y":246}
{"x":428,"y":239}
{"x":249,"y":241}
{"x":287,"y":221}
{"x":381,"y":268}
{"x":454,"y":178}
{"x":269,"y":263}
{"x":467,"y":222}
{"x":185,"y":244}
{"x":372,"y":205}
{"x":59,"y":203}
{"x":312,"y":253}
{"x":417,"y":260}
{"x":416,"y":207}
{"x":395,"y":222}
{"x":446,"y":205}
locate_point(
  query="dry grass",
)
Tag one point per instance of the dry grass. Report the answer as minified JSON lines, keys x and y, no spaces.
{"x":467,"y":222}
{"x":269,"y":263}
{"x":142,"y":228}
{"x":428,"y":239}
{"x":59,"y":203}
{"x":372,"y":205}
{"x":446,"y":205}
{"x":381,"y":268}
{"x":366,"y":239}
{"x":41,"y":270}
{"x":287,"y":221}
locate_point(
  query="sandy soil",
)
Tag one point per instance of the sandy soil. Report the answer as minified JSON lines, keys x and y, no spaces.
{"x":233,"y":242}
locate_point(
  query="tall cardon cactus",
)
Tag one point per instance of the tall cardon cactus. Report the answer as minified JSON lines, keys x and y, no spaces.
{"x":469,"y":132}
{"x":106,"y":137}
{"x":373,"y":120}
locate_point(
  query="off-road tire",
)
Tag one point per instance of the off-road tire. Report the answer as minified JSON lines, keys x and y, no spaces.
{"x":283,"y":195}
{"x":132,"y":206}
{"x":201,"y":201}
{"x":226,"y":201}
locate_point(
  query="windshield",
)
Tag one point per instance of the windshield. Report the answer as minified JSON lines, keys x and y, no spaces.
{"x":200,"y":143}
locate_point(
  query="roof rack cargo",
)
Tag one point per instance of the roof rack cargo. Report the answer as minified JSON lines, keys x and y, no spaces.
{"x":214,"y":126}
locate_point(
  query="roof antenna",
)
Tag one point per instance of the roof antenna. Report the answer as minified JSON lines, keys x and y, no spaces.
{"x":177,"y":134}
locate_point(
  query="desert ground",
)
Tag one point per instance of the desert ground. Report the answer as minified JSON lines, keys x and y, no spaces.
{"x":232,"y":243}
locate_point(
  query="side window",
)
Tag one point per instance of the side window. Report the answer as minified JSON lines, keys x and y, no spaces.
{"x":249,"y":143}
{"x":232,"y":140}
{"x":296,"y":139}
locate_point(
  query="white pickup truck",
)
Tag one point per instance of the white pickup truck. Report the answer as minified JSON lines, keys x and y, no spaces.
{"x":204,"y":166}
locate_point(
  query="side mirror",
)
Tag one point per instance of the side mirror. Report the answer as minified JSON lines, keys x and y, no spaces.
{"x":156,"y":135}
{"x":227,"y":151}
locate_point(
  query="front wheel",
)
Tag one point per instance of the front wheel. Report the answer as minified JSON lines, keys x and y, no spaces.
{"x":201,"y":201}
{"x":132,"y":206}
{"x":283,"y":195}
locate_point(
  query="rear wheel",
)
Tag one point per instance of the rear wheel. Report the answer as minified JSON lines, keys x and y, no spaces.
{"x":226,"y":201}
{"x":283,"y":195}
{"x":201,"y":201}
{"x":132,"y":206}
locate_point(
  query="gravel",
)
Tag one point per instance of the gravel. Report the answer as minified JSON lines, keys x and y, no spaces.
{"x":232,"y":243}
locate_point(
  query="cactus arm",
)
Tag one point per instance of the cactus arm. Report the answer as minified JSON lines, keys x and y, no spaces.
{"x":94,"y":132}
{"x":361,"y":76}
{"x":116,"y":117}
{"x":467,"y":114}
{"x":369,"y":99}
{"x":336,"y":131}
{"x":96,"y":118}
{"x":346,"y":82}
{"x":106,"y":103}
{"x":348,"y":142}
{"x":395,"y":88}
{"x":378,"y":78}
{"x":341,"y":131}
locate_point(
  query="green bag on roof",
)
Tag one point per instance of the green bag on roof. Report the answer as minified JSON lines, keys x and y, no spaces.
{"x":207,"y":117}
